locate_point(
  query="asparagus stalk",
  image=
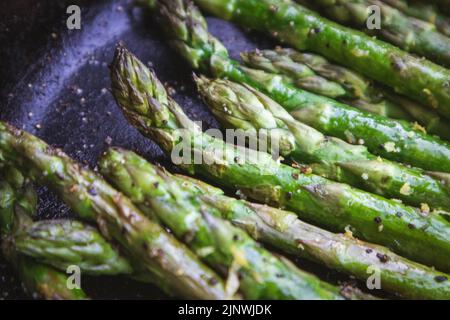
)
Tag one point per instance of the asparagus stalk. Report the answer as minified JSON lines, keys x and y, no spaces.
{"x":261,"y":274}
{"x":314,"y":73}
{"x":411,"y":34}
{"x":61,"y":243}
{"x":332,"y":205}
{"x":424,"y":11}
{"x":17,"y":202}
{"x":291,"y":23}
{"x":393,"y":140}
{"x":310,"y":71}
{"x":241,"y":107}
{"x":301,"y":74}
{"x":173,"y":266}
{"x":283,"y":230}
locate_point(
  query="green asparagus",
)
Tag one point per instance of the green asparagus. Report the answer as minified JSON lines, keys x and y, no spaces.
{"x":283,"y":230}
{"x":17,"y":203}
{"x":153,"y":250}
{"x":411,"y":34}
{"x":146,"y":105}
{"x":314,"y":73}
{"x":291,"y":23}
{"x":424,"y":11}
{"x":61,"y":243}
{"x":261,"y":118}
{"x":393,"y":140}
{"x":228,"y":249}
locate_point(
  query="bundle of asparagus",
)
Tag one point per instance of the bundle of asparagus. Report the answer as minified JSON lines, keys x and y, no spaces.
{"x":154,"y":257}
{"x":424,"y":11}
{"x":281,"y":229}
{"x":393,"y":140}
{"x":358,"y":162}
{"x":17,"y":206}
{"x":257,"y":273}
{"x":291,"y":23}
{"x":146,"y":105}
{"x":193,"y":241}
{"x":410,"y":34}
{"x":241,"y":107}
{"x":170,"y":265}
{"x":62,"y":242}
{"x":314,"y":73}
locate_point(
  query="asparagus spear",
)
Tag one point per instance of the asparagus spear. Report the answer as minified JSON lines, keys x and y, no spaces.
{"x":314,"y":73}
{"x":261,"y":274}
{"x":310,"y":71}
{"x":61,"y":243}
{"x":146,"y":105}
{"x":240,"y":107}
{"x":416,"y":78}
{"x":301,"y":74}
{"x":283,"y":230}
{"x":411,"y":34}
{"x":17,"y":202}
{"x":424,"y":11}
{"x":173,"y":267}
{"x":393,"y":140}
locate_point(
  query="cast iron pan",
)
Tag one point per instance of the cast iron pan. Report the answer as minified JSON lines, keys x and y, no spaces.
{"x":54,"y":82}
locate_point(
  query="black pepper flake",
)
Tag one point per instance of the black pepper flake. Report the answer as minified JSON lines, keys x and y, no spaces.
{"x":213,"y":281}
{"x":411,"y":226}
{"x":295,"y":176}
{"x":377,"y":220}
{"x":289,"y":195}
{"x":399,"y":214}
{"x":156,"y":185}
{"x":369,"y":251}
{"x":235,"y":237}
{"x":382,"y":257}
{"x":317,"y":30}
{"x":279,"y":275}
{"x":440,"y":279}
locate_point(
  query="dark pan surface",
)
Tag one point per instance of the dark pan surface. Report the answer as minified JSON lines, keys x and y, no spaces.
{"x":55,"y":84}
